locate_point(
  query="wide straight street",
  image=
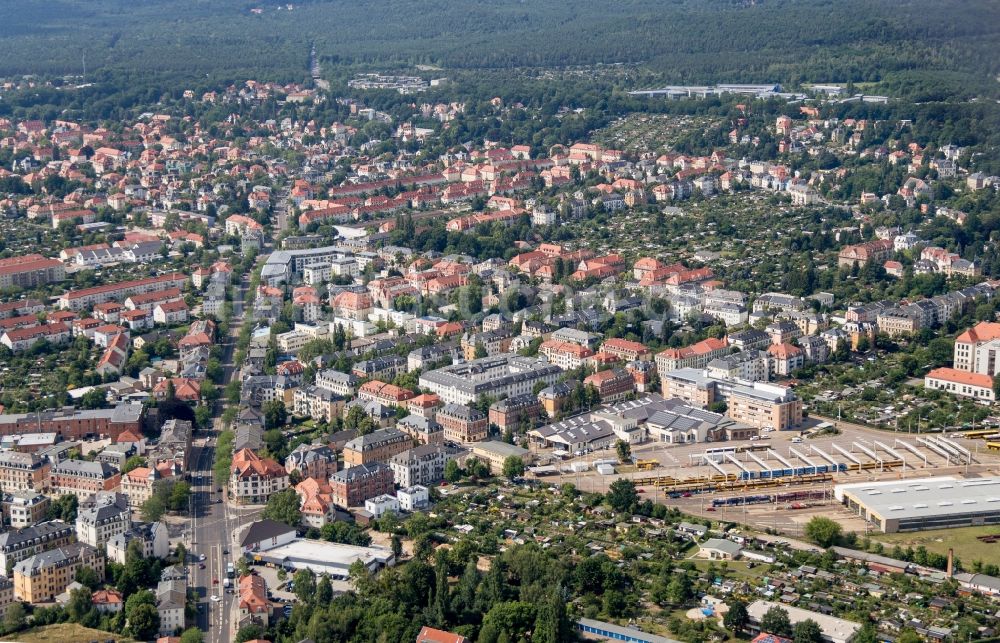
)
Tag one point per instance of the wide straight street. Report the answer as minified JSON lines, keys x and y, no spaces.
{"x":212,"y":534}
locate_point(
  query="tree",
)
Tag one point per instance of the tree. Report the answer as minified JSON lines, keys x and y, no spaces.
{"x":452,"y":472}
{"x":192,"y":635}
{"x":141,"y":615}
{"x":305,"y":586}
{"x":80,"y":602}
{"x":807,"y":631}
{"x":507,"y":622}
{"x":63,"y":508}
{"x":324,"y":590}
{"x":181,"y":553}
{"x":284,"y":507}
{"x":95,"y":398}
{"x":397,"y":547}
{"x":15,"y":617}
{"x":250,"y":632}
{"x":624,"y":451}
{"x":513,"y":466}
{"x":823,"y":531}
{"x":476,"y":468}
{"x":180,"y":493}
{"x":679,"y":589}
{"x":153,"y":508}
{"x":551,"y":623}
{"x":622,"y":495}
{"x":776,"y":622}
{"x":275,"y":414}
{"x":88,"y":577}
{"x":203,"y":416}
{"x":737,"y":617}
{"x":134,"y":462}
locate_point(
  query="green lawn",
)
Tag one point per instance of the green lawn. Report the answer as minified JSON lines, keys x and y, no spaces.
{"x":736,"y":568}
{"x":62,"y":632}
{"x":962,"y":540}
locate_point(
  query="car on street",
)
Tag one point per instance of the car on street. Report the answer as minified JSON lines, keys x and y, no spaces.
{"x":216,"y":599}
{"x":201,"y":557}
{"x":201,"y":565}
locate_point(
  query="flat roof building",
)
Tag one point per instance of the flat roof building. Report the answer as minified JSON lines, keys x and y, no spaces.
{"x":324,"y":557}
{"x":835,"y":630}
{"x":929,"y":503}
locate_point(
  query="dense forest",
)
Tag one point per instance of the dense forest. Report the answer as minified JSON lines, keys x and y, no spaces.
{"x":904,"y":45}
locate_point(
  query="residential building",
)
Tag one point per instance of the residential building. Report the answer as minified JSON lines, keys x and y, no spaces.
{"x":509,"y":413}
{"x":24,"y":508}
{"x":462,"y":424}
{"x":316,"y":502}
{"x":378,"y":446}
{"x":421,"y":465}
{"x":977,"y":349}
{"x":565,"y":355}
{"x":694,"y":356}
{"x":102,"y":517}
{"x":30,"y":271}
{"x":43,"y":576}
{"x":19,"y":544}
{"x":174,"y":445}
{"x":312,"y":461}
{"x":497,"y":377}
{"x":152,"y":537}
{"x":626,"y":350}
{"x":254,"y":479}
{"x":254,"y":605}
{"x":413,"y":498}
{"x":317,"y":403}
{"x":612,"y":385}
{"x":381,"y":505}
{"x":23,"y":471}
{"x":140,"y":483}
{"x":86,"y":297}
{"x":343,"y":384}
{"x":171,"y":601}
{"x":785,"y":358}
{"x":352,"y":486}
{"x":859,"y":255}
{"x":82,"y":478}
{"x":751,"y":365}
{"x":422,"y":430}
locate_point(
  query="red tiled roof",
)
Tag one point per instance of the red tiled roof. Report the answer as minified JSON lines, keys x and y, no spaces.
{"x":961,"y":377}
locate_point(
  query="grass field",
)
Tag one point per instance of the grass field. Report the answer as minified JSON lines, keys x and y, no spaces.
{"x":63,"y":632}
{"x":737,"y":568}
{"x":962,"y":540}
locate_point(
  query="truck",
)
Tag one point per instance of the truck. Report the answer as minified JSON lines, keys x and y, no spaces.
{"x":226,"y":583}
{"x":230,"y":571}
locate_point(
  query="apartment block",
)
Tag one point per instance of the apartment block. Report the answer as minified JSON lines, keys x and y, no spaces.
{"x":378,"y":446}
{"x":352,"y":486}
